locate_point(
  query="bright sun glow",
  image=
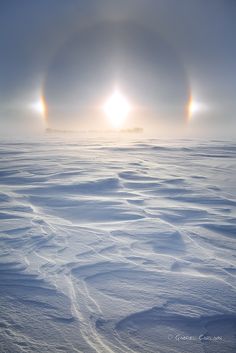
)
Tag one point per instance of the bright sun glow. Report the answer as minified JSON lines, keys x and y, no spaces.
{"x":195,"y":107}
{"x":39,"y":106}
{"x":117,"y":109}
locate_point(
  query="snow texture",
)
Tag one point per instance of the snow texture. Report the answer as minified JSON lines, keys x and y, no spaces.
{"x":115,"y":246}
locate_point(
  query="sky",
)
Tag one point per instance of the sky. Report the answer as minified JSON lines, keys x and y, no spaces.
{"x":174,"y":60}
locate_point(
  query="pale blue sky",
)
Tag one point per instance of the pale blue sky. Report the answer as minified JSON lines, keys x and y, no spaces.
{"x":158,"y":50}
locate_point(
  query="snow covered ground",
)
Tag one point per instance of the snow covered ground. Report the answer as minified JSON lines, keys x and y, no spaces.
{"x":117,"y":244}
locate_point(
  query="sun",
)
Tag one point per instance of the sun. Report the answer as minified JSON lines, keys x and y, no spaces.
{"x":117,"y":109}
